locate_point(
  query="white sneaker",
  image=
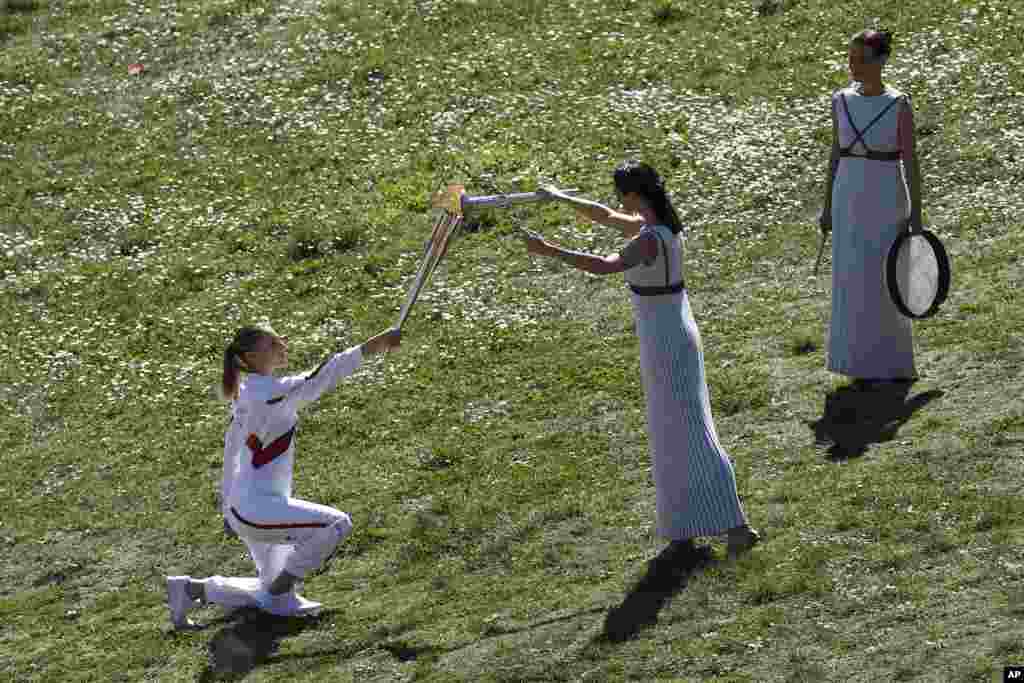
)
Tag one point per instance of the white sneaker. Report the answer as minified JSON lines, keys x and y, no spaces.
{"x":179,"y":601}
{"x":289,"y":604}
{"x":262,"y":598}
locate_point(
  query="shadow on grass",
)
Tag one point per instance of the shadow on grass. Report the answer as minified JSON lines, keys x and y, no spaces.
{"x":408,"y":650}
{"x":856,"y":416}
{"x":667,"y":574}
{"x":249,"y":638}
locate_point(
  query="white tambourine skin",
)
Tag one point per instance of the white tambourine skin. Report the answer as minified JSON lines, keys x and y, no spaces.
{"x":917,"y":274}
{"x":923,"y":274}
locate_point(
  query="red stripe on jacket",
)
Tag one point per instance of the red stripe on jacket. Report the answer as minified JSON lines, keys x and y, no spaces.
{"x":262,"y":455}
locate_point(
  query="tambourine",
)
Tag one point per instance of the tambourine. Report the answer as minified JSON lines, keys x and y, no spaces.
{"x":917,"y":273}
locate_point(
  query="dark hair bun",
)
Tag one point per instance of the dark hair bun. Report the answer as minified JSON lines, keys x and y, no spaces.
{"x":879,"y":40}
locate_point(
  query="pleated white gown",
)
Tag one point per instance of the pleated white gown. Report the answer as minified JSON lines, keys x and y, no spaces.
{"x":694,"y":480}
{"x":868,"y":337}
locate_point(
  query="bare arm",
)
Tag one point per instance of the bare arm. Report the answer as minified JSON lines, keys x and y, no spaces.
{"x":640,"y":250}
{"x":388,"y":339}
{"x":599,"y":213}
{"x":830,"y":175}
{"x":908,"y":146}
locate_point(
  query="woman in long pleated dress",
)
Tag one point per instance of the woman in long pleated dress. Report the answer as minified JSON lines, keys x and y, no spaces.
{"x":695,"y":486}
{"x":873,"y":190}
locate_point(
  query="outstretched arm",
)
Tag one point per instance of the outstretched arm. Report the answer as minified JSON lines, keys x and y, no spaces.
{"x":599,"y":213}
{"x":312,"y":385}
{"x":908,"y":146}
{"x":388,"y":339}
{"x":642,"y":249}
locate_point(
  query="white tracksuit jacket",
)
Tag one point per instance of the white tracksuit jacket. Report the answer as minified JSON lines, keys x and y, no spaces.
{"x":259,"y":445}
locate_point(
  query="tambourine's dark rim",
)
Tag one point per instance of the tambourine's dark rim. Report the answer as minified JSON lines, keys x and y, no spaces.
{"x":941,"y":258}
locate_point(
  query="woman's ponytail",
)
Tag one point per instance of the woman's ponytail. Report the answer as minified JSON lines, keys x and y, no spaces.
{"x":666,"y":213}
{"x":246,"y":339}
{"x":232,"y":374}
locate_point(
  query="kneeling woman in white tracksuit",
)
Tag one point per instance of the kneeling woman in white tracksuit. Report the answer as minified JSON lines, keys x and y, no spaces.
{"x":288,"y":538}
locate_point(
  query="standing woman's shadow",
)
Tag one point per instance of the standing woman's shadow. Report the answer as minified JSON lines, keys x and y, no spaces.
{"x":861,"y":414}
{"x":666,"y":575}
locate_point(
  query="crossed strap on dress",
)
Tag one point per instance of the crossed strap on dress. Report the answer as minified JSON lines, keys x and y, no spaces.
{"x":668,"y":288}
{"x":869,"y":153}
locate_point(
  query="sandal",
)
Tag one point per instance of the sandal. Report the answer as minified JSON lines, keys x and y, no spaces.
{"x":741,"y":539}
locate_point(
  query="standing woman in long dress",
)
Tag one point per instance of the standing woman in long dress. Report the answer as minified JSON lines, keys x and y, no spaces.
{"x":873,"y":190}
{"x":695,"y":486}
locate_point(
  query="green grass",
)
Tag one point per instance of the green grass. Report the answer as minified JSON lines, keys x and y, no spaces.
{"x":276,"y":160}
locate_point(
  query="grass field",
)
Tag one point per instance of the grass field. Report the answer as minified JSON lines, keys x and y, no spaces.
{"x":275,"y":160}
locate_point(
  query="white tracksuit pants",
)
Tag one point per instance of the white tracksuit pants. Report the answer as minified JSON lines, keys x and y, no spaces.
{"x":281,"y":534}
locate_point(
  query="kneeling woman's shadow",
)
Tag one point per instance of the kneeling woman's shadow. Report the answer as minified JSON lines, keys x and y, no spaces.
{"x":247,"y":639}
{"x":667,"y":574}
{"x":856,"y":416}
